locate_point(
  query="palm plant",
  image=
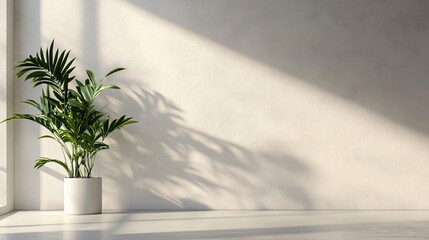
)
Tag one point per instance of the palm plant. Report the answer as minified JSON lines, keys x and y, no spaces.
{"x":66,"y":108}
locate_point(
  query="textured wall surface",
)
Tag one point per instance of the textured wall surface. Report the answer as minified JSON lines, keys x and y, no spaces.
{"x":6,"y":106}
{"x":245,"y":104}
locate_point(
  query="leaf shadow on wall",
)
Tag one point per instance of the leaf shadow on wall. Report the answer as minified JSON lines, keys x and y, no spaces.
{"x":162,"y":163}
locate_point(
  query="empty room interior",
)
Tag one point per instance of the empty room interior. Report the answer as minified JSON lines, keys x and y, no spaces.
{"x":214,"y":119}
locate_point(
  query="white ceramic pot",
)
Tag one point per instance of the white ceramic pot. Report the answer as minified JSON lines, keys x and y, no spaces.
{"x":82,"y":195}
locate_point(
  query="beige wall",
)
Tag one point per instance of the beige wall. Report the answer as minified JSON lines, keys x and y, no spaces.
{"x":244,"y":104}
{"x":6,"y":106}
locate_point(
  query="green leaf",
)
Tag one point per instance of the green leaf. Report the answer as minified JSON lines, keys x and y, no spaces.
{"x":91,"y":75}
{"x":50,"y":55}
{"x":32,"y":103}
{"x":46,"y":136}
{"x":41,"y":161}
{"x":114,"y":70}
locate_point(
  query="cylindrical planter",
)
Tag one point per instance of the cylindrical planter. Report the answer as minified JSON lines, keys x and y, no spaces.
{"x":82,"y":195}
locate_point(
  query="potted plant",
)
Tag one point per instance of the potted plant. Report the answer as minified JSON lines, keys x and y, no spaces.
{"x":66,"y":108}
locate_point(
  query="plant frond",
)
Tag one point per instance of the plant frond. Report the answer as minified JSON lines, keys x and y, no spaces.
{"x":41,"y":161}
{"x":114,"y":70}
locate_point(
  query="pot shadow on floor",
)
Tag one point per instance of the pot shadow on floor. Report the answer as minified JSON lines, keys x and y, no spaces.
{"x":162,"y":163}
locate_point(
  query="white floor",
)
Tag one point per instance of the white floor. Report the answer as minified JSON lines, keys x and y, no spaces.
{"x":217,"y":225}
